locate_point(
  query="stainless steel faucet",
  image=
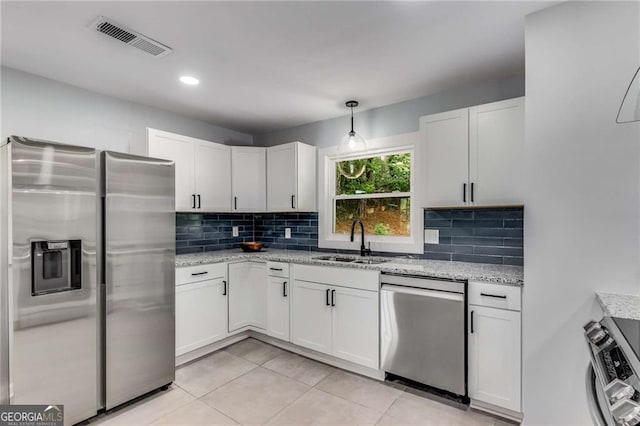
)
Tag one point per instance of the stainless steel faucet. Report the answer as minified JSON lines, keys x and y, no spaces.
{"x":363,"y":250}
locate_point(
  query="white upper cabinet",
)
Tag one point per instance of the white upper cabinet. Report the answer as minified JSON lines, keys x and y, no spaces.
{"x":496,"y":149}
{"x":213,"y":176}
{"x":474,"y":156}
{"x":202,"y":169}
{"x":446,"y":157}
{"x":291,"y":177}
{"x":181,"y":150}
{"x":248,"y":179}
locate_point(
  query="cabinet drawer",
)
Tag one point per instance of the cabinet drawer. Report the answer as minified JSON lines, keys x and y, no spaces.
{"x":192,"y":274}
{"x":278,"y":269}
{"x":494,"y":295}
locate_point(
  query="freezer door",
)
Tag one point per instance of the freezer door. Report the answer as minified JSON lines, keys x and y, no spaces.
{"x":54,"y":197}
{"x":139,"y":275}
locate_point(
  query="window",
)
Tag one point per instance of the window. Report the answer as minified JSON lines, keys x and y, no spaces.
{"x":382,"y":195}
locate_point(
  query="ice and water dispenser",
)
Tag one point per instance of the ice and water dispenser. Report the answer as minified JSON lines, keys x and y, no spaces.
{"x":55,"y":266}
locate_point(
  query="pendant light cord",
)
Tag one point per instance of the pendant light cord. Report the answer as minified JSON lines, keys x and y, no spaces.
{"x":352,"y":132}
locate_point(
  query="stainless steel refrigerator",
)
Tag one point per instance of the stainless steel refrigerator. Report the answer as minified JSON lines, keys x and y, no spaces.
{"x":87,"y":263}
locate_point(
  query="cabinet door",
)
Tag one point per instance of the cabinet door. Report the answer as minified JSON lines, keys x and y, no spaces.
{"x":278,"y":296}
{"x":494,"y":356}
{"x":258,"y":284}
{"x":311,"y":316}
{"x":496,"y":144}
{"x":240,"y":296}
{"x":306,"y":175}
{"x":446,"y":158}
{"x":248,"y":178}
{"x":282,"y":178}
{"x":213,"y":176}
{"x":355,"y":325}
{"x":201,"y":314}
{"x":182,"y":151}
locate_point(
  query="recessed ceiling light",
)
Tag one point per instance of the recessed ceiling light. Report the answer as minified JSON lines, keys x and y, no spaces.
{"x":191,"y":81}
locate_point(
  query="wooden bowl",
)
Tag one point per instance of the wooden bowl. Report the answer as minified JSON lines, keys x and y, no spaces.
{"x":251,"y":246}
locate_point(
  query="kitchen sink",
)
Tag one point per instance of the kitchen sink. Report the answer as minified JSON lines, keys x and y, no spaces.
{"x":350,"y":259}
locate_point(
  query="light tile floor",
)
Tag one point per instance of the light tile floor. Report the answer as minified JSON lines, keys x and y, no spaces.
{"x":253,"y":383}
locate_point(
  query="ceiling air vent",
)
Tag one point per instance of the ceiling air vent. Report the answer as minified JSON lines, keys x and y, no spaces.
{"x":112,"y":29}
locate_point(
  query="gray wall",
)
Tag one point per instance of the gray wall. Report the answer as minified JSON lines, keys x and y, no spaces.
{"x":397,"y":118}
{"x":582,"y":210}
{"x":38,"y":107}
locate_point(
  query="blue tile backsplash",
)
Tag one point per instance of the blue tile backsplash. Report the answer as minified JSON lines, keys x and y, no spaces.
{"x":479,"y":236}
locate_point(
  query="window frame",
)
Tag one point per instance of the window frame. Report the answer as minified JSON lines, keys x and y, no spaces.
{"x":327,"y":239}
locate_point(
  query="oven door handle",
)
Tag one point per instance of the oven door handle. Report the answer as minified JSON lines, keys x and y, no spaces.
{"x":591,"y":381}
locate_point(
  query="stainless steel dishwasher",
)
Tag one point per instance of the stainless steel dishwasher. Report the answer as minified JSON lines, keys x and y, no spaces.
{"x":423,"y":331}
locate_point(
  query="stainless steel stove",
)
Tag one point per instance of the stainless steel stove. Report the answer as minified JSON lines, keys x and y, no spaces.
{"x":613,"y":380}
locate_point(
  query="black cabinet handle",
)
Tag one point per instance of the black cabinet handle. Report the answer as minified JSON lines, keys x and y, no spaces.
{"x":327,"y":298}
{"x":471,"y":322}
{"x":224,"y":289}
{"x":195,"y":274}
{"x":464,"y":192}
{"x":497,"y":296}
{"x":293,"y":198}
{"x":193,"y":201}
{"x":275,"y":269}
{"x":472,"y":192}
{"x":333,"y":295}
{"x":235,"y":203}
{"x":198,"y":200}
{"x":284,"y":289}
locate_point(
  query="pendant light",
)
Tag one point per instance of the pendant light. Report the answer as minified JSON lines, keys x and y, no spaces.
{"x":351,"y":144}
{"x":630,"y":108}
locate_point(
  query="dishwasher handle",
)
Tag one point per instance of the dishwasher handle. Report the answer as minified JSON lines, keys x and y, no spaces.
{"x":438,"y":294}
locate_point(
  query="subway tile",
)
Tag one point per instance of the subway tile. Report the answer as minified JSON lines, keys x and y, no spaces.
{"x":476,"y":258}
{"x":497,"y":232}
{"x":478,"y":241}
{"x":437,"y":256}
{"x":498,"y":251}
{"x":477,"y":223}
{"x":499,"y":214}
{"x":513,"y":242}
{"x":514,"y":223}
{"x":188,"y":250}
{"x":447,"y":248}
{"x":517,"y":261}
{"x":456,"y":232}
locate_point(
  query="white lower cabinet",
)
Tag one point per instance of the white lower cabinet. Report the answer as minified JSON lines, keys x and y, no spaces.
{"x":311,"y":316}
{"x":278,"y":296}
{"x":495,"y":354}
{"x":201,"y":310}
{"x":355,"y":325}
{"x":334,"y":319}
{"x":247,"y":295}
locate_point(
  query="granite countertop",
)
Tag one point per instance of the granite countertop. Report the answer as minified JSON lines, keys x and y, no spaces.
{"x":620,"y":305}
{"x":499,"y":274}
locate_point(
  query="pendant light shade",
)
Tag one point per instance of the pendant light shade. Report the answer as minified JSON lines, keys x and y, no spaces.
{"x":630,"y":109}
{"x":351,"y":144}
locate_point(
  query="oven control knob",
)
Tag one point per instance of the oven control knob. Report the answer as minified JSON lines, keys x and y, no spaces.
{"x":597,"y":336}
{"x":630,"y":418}
{"x":624,"y":392}
{"x":591,"y":325}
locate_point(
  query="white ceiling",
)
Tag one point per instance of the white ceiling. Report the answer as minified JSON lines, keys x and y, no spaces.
{"x":269,"y":65}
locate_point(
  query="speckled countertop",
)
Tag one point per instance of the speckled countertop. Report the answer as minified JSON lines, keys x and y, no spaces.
{"x":620,"y":305}
{"x":499,"y":274}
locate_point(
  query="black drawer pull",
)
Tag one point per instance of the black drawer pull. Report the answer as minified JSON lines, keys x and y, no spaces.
{"x":224,"y":291}
{"x":471,"y":322}
{"x":195,"y":274}
{"x":497,"y":296}
{"x":275,"y":269}
{"x":284,"y":289}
